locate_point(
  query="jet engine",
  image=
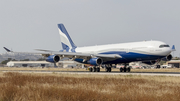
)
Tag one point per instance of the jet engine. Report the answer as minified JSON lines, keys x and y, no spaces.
{"x":167,"y":58}
{"x":96,"y":61}
{"x":53,"y":58}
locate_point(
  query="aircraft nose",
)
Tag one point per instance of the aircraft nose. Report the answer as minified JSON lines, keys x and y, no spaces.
{"x":169,"y":50}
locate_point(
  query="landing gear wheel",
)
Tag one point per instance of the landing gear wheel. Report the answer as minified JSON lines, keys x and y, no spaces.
{"x":110,"y":69}
{"x":121,"y":70}
{"x":106,"y":69}
{"x":98,"y":69}
{"x":94,"y":69}
{"x":125,"y":69}
{"x":128,"y":69}
{"x":90,"y":69}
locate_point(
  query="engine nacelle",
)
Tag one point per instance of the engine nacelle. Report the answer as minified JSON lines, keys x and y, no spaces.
{"x":167,"y":58}
{"x":96,"y":61}
{"x":53,"y":58}
{"x":152,"y":62}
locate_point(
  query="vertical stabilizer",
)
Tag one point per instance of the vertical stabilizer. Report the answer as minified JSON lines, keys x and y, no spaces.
{"x":66,"y":41}
{"x":173,"y":48}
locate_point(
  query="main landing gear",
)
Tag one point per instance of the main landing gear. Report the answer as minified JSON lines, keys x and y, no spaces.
{"x":97,"y":68}
{"x":125,"y":69}
{"x":94,"y":69}
{"x":108,"y":68}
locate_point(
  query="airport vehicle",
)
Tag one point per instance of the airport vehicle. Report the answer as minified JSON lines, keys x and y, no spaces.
{"x":149,"y":52}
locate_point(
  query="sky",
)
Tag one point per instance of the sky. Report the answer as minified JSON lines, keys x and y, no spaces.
{"x":26,"y":25}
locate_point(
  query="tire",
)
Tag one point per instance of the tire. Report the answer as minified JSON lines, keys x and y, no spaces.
{"x":90,"y":69}
{"x":158,"y":66}
{"x":98,"y":69}
{"x":106,"y":69}
{"x":121,"y":70}
{"x":128,"y":69}
{"x":94,"y":69}
{"x":109,"y":70}
{"x":125,"y":69}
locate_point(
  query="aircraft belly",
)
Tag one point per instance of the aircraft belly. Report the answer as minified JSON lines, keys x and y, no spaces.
{"x":126,"y":58}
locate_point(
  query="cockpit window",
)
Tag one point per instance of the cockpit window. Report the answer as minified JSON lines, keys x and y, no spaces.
{"x":162,"y":46}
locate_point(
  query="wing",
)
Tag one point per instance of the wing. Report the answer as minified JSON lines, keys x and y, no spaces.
{"x":85,"y":56}
{"x":72,"y":55}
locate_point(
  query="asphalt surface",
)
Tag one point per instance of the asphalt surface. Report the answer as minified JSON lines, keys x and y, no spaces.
{"x":100,"y":73}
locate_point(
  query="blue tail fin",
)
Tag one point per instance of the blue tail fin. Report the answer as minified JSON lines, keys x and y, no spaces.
{"x":66,"y":41}
{"x":173,"y":48}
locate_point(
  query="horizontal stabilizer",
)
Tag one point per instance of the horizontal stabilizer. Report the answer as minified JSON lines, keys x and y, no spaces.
{"x":7,"y":49}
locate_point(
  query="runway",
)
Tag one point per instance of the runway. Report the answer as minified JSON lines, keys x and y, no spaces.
{"x":98,"y":73}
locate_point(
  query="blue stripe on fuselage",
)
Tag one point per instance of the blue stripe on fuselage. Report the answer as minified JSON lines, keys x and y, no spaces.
{"x":127,"y":57}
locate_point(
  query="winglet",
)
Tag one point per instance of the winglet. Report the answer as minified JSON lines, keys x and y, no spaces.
{"x":7,"y":49}
{"x":173,"y":48}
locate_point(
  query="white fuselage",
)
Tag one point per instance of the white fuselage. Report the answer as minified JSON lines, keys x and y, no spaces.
{"x":144,"y":47}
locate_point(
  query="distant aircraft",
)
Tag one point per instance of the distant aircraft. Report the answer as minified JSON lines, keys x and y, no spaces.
{"x":149,"y":52}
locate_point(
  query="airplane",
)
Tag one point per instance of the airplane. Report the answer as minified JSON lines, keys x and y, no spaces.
{"x":149,"y":52}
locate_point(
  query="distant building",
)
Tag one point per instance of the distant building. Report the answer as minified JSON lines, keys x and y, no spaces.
{"x":173,"y":63}
{"x":63,"y":64}
{"x":29,"y":64}
{"x":71,"y":64}
{"x":19,"y":56}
